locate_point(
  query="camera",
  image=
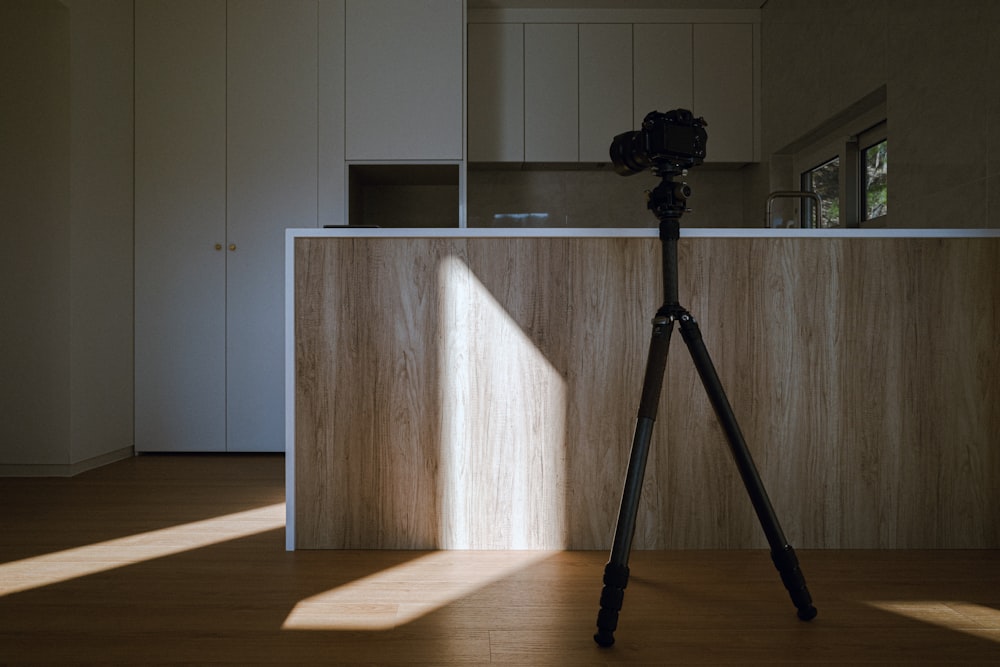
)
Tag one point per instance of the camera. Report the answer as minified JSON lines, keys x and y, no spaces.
{"x":669,"y":143}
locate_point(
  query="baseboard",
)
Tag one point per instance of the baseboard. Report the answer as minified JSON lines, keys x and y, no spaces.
{"x":64,"y":469}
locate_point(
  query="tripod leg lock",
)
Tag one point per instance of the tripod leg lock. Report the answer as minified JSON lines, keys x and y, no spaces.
{"x":795,"y":583}
{"x":615,"y":581}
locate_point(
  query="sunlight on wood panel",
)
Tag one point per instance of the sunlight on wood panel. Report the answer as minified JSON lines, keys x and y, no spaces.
{"x":404,"y":593}
{"x":503,"y":436}
{"x":60,"y":566}
{"x":966,"y":617}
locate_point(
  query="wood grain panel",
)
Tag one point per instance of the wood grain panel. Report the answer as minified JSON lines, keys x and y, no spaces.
{"x":365,"y":360}
{"x":481,"y":393}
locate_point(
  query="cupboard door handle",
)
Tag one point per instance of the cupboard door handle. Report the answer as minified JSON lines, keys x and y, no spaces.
{"x":232,"y":246}
{"x":218,"y":246}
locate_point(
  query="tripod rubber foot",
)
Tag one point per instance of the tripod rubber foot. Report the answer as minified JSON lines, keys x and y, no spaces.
{"x":615,"y":581}
{"x":795,"y":583}
{"x":604,"y":639}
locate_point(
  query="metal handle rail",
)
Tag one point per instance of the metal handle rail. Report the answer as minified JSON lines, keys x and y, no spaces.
{"x":795,"y":194}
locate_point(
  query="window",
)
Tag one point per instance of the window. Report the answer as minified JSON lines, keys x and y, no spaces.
{"x":876,"y":179}
{"x":849,"y":170}
{"x":824,"y":180}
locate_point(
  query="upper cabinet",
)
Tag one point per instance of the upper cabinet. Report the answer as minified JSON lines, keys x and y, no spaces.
{"x":404,"y":76}
{"x":551,"y":93}
{"x":723,"y":89}
{"x":708,"y":68}
{"x":605,"y":87}
{"x":496,"y":92}
{"x":662,"y":55}
{"x":569,"y":88}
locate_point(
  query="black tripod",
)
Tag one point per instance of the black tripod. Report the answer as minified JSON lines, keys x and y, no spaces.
{"x":668,"y":202}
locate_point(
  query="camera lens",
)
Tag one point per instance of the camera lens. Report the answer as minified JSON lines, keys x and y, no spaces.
{"x":627,"y":155}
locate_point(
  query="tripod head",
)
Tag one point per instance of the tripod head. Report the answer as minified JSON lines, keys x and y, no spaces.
{"x":668,"y":202}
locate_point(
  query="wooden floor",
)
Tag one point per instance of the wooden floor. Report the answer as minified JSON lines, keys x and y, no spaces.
{"x":180,"y":559}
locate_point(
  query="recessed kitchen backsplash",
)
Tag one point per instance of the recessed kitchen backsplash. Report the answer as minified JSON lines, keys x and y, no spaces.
{"x":593,"y":198}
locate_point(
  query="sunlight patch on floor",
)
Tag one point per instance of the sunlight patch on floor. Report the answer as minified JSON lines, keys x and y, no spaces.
{"x":401,"y":594}
{"x":965,"y":617}
{"x":68,"y":564}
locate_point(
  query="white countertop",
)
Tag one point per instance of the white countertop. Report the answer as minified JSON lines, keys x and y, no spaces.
{"x":651,"y":232}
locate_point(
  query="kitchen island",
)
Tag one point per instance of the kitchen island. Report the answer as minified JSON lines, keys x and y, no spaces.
{"x":477,"y":389}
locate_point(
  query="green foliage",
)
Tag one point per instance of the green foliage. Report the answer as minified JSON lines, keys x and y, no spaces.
{"x":876,"y":161}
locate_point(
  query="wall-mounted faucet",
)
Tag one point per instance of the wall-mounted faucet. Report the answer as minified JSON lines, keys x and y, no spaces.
{"x":794,"y":194}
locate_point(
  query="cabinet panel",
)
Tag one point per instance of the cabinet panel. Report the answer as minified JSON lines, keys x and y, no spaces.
{"x":662,"y":69}
{"x":588,"y":82}
{"x":404,"y":79}
{"x":180,"y":213}
{"x":496,"y":92}
{"x":551,"y":93}
{"x":605,"y":87}
{"x":723,"y":89}
{"x":272,"y":184}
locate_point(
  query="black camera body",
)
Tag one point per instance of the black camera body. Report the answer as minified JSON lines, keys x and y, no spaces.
{"x":669,"y":143}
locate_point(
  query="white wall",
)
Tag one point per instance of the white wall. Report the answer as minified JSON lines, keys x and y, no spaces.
{"x":101,"y":227}
{"x":65,"y":230}
{"x":34,"y":221}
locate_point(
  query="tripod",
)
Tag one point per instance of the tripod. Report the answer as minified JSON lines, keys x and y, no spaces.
{"x":668,"y":202}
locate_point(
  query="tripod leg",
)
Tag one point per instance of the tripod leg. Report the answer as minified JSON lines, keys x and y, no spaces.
{"x":616,"y":571}
{"x":782,"y":553}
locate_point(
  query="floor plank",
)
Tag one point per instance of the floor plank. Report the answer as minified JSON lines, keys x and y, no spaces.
{"x":166,"y":560}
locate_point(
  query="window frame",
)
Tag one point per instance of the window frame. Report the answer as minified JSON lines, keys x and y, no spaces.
{"x":847,"y":142}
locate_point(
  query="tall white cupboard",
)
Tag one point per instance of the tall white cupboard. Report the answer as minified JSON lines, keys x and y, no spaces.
{"x":225,"y":160}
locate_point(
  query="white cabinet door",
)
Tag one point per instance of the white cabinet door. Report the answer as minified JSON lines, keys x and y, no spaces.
{"x":496,"y":92}
{"x":180,"y":216}
{"x":272,"y":184}
{"x":551,"y":93}
{"x":662,"y":64}
{"x":723,"y":89}
{"x":226,"y":158}
{"x":605,"y":87}
{"x":583,"y":84}
{"x":404,"y":79}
